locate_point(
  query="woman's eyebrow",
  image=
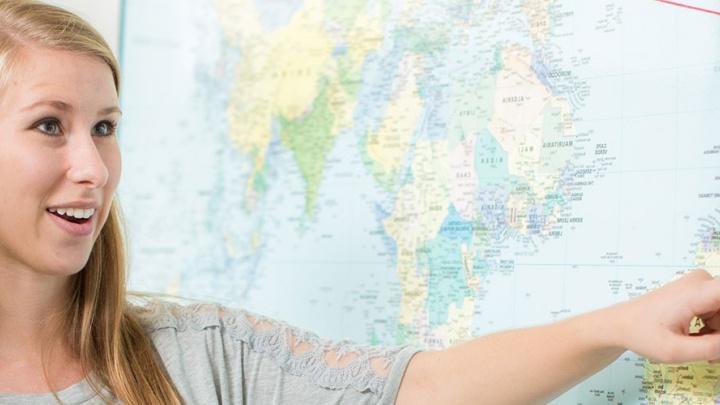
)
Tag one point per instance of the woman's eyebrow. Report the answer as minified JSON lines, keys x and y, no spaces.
{"x":59,"y":105}
{"x":63,"y":106}
{"x":110,"y":110}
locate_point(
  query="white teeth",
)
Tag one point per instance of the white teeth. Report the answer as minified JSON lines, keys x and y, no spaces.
{"x":78,"y":213}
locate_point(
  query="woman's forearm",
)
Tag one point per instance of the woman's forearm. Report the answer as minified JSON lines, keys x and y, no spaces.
{"x":523,"y":366}
{"x":536,"y":364}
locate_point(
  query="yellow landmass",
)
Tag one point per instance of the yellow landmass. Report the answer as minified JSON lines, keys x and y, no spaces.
{"x":538,"y":15}
{"x":473,"y":280}
{"x":418,"y":213}
{"x":284,"y":65}
{"x":282,"y":72}
{"x":276,"y":78}
{"x":692,"y":383}
{"x":239,"y":21}
{"x":296,"y":57}
{"x":249,"y":119}
{"x":365,"y":36}
{"x":390,"y":143}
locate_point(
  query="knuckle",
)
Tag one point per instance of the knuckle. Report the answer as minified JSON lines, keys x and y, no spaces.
{"x":701,"y":273}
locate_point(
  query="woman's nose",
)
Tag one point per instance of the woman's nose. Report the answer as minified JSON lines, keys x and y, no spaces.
{"x":86,"y":164}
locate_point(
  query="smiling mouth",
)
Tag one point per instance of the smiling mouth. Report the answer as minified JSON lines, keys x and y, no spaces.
{"x":70,"y":217}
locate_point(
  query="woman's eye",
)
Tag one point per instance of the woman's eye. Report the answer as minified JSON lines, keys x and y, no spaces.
{"x":49,"y":127}
{"x":105,"y":128}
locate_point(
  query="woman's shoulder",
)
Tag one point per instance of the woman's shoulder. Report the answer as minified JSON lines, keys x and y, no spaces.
{"x":190,"y":316}
{"x":273,"y":345}
{"x":162,"y":313}
{"x":261,"y":333}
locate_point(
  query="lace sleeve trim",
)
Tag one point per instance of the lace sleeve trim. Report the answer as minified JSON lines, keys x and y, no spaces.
{"x":331,"y":365}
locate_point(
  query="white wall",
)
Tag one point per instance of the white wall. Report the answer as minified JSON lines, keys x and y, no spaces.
{"x":104,"y":15}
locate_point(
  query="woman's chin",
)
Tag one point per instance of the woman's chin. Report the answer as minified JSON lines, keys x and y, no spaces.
{"x":66,"y":267}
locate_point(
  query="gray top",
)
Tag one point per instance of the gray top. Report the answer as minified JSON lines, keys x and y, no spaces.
{"x":217,"y":355}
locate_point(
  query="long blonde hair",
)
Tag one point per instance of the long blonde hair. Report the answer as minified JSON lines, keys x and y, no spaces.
{"x":99,"y":325}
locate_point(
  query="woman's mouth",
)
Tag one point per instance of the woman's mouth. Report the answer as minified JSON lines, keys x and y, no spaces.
{"x":74,"y":215}
{"x":76,"y":221}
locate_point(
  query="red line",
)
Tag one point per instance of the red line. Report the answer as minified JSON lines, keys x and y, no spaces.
{"x":704,"y":10}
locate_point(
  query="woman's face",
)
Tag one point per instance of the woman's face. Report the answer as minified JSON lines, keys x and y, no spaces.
{"x":57,"y":151}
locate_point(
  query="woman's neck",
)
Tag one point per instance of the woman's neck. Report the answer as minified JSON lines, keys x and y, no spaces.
{"x":31,"y":320}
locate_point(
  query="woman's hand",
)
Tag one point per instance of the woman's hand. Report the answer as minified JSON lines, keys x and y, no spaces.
{"x":657,"y":325}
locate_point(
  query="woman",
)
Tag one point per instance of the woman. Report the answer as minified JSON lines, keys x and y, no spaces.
{"x":68,"y":333}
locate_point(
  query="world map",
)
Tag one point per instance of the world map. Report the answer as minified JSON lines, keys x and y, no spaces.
{"x":422,"y":172}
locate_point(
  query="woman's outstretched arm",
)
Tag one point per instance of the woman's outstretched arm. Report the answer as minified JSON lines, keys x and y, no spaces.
{"x":534,"y":365}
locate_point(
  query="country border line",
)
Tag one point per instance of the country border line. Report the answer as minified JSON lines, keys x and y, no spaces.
{"x":704,"y":10}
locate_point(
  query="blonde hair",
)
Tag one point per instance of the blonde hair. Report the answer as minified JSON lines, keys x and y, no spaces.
{"x":99,"y":325}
